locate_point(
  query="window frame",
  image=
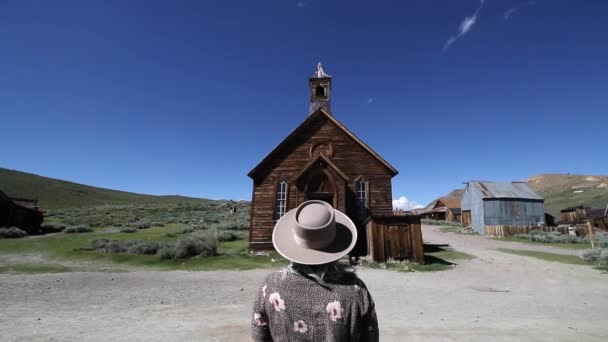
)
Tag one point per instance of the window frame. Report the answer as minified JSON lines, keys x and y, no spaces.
{"x":277,"y":214}
{"x":362,"y":203}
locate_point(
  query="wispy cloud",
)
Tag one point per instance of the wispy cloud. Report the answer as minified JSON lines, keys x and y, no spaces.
{"x":465,"y":26}
{"x":370,"y":100}
{"x":405,"y":204}
{"x":302,"y":4}
{"x":509,"y":12}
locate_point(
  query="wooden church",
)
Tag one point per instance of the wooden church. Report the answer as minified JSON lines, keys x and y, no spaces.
{"x":321,"y":159}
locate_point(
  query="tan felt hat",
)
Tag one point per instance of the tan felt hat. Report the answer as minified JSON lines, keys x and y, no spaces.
{"x":314,"y":233}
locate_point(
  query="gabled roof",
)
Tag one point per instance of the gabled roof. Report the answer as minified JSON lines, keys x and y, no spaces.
{"x":321,"y":112}
{"x":448,"y":201}
{"x":505,"y":190}
{"x":313,"y":161}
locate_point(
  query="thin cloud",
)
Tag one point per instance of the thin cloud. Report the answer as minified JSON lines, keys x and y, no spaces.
{"x":302,"y":4}
{"x":404,"y":203}
{"x":370,"y":100}
{"x":509,"y":12}
{"x":465,"y":26}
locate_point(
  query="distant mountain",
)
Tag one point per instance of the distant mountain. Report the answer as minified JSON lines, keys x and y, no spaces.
{"x":54,"y":193}
{"x":567,"y":190}
{"x":564,"y":190}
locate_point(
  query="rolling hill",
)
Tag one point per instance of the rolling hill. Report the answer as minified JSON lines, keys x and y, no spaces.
{"x":565,"y":190}
{"x":56,"y":194}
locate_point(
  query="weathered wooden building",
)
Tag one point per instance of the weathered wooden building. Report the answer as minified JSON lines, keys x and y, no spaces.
{"x":445,"y":208}
{"x":321,"y":159}
{"x":21,"y":213}
{"x":495,"y":203}
{"x":582,"y":214}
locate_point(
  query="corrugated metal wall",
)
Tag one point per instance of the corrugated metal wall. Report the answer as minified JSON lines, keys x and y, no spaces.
{"x":500,"y":211}
{"x":472,"y":200}
{"x":513,"y":211}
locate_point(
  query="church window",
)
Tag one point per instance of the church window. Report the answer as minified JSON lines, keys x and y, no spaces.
{"x":281,"y":202}
{"x":361,"y":187}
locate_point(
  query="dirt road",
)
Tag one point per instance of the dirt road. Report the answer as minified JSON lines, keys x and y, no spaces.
{"x":494,"y":297}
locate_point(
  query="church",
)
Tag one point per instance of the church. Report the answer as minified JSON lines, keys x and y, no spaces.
{"x":321,"y":159}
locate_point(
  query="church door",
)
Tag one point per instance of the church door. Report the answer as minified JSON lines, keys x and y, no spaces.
{"x":321,"y":186}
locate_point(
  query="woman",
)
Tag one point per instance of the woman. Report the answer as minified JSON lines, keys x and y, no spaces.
{"x":316,"y":298}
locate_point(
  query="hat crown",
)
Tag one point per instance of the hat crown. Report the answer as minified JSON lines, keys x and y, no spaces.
{"x":314,"y":215}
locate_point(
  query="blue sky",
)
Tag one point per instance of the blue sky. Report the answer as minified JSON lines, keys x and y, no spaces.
{"x":185,"y":97}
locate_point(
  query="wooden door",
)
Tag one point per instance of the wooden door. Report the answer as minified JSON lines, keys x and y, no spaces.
{"x":466,"y":218}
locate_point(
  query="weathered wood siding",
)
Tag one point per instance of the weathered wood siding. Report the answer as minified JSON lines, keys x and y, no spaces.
{"x":347,"y":155}
{"x":501,"y":231}
{"x":395,"y":238}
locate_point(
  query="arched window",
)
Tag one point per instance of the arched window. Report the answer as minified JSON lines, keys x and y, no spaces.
{"x":281,"y":202}
{"x":361,"y":188}
{"x":320,"y":91}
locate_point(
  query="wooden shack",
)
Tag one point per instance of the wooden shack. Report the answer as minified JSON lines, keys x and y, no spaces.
{"x":22,"y":213}
{"x":445,"y":208}
{"x":321,"y":159}
{"x":582,"y":214}
{"x":487,"y":203}
{"x":394,"y":238}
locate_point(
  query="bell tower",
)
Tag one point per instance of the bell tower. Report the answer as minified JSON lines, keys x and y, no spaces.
{"x":320,"y":90}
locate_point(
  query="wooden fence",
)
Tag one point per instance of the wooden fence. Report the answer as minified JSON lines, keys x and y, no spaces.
{"x":394,"y":237}
{"x":505,"y":231}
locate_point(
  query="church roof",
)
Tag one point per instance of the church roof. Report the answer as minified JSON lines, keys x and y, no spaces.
{"x":315,"y":160}
{"x":256,"y":171}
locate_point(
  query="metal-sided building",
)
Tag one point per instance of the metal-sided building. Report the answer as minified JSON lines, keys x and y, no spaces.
{"x":500,"y":203}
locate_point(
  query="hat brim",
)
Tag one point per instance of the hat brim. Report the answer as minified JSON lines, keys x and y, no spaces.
{"x":285,"y":244}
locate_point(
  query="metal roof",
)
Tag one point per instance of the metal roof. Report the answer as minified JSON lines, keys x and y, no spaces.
{"x":505,"y":190}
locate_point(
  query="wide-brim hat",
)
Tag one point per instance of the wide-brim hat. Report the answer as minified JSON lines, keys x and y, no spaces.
{"x":314,"y":233}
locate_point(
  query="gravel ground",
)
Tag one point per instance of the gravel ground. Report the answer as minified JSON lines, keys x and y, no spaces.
{"x":494,"y":297}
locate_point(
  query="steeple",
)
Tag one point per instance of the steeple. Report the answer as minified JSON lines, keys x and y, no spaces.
{"x":320,"y":90}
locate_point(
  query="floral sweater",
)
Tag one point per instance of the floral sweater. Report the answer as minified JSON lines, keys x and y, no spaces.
{"x":292,"y":307}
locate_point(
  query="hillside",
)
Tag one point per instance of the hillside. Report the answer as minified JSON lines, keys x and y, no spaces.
{"x":565,"y":190}
{"x":55,"y":194}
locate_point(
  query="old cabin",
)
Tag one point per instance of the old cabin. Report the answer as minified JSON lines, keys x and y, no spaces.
{"x":500,"y":204}
{"x":321,"y":159}
{"x":581,"y":214}
{"x":21,"y":213}
{"x":446,"y":208}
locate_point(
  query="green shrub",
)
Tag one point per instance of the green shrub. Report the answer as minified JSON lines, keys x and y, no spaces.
{"x":12,"y":233}
{"x":228,"y":235}
{"x":441,"y":223}
{"x":99,"y":243}
{"x":232,"y":226}
{"x":78,"y":229}
{"x":131,"y":246}
{"x":550,"y":237}
{"x":142,"y":225}
{"x":128,"y":230}
{"x":591,"y":255}
{"x":167,"y":253}
{"x":148,"y":248}
{"x":48,"y":228}
{"x":200,"y":243}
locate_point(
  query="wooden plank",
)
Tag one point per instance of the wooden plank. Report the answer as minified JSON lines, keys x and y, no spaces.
{"x":417,"y":243}
{"x":406,"y":246}
{"x":380,"y":239}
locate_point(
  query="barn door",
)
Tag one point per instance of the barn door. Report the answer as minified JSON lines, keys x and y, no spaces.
{"x":466,"y":218}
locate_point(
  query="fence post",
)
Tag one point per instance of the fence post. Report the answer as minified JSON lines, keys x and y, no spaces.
{"x":591,"y":234}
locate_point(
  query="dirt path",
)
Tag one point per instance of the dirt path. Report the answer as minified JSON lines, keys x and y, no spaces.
{"x":494,"y":297}
{"x":475,"y":243}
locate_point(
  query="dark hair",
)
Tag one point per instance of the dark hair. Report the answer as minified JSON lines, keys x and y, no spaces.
{"x":333,"y":273}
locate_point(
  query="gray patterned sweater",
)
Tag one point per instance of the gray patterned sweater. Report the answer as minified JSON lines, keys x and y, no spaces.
{"x":293,"y":307}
